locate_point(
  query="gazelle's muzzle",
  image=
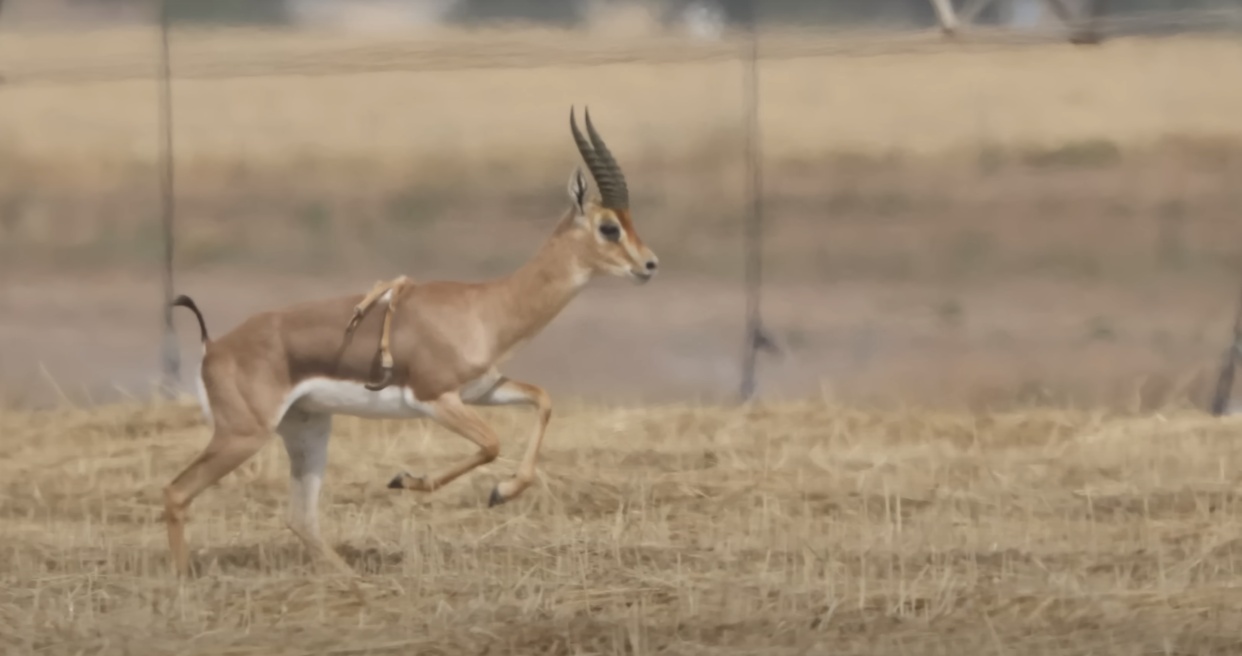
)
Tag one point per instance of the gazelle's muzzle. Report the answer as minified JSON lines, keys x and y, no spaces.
{"x":645,"y":271}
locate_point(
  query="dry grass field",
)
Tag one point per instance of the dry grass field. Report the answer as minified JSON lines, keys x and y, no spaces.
{"x":998,"y":232}
{"x":805,"y":528}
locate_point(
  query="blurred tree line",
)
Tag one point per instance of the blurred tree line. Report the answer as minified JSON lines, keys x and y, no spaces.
{"x":569,"y":12}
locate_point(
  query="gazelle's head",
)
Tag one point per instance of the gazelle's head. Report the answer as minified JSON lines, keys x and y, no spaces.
{"x":604,"y":233}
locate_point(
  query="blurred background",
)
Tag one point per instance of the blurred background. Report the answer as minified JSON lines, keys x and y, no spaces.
{"x":961,"y":206}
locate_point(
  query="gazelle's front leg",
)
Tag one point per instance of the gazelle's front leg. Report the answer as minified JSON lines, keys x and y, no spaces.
{"x":452,"y":413}
{"x":512,"y":392}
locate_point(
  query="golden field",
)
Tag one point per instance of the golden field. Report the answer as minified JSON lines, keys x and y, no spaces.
{"x":500,"y":97}
{"x":793,"y":528}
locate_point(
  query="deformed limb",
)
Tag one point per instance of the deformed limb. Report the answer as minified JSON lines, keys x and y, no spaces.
{"x":386,"y":290}
{"x":377,"y":291}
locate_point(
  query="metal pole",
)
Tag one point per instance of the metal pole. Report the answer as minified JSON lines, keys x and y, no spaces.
{"x":754,"y":220}
{"x":1224,"y":380}
{"x":1,"y":11}
{"x":170,"y":355}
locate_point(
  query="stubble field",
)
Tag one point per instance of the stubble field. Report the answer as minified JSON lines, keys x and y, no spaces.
{"x":801,"y":528}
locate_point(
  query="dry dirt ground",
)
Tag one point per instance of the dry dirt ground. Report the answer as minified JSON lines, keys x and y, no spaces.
{"x":788,"y":529}
{"x":96,"y":338}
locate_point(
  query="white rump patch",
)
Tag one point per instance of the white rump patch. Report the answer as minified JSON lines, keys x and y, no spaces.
{"x":346,"y":397}
{"x":203,"y":401}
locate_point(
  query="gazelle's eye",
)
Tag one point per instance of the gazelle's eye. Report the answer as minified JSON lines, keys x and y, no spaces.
{"x":610,"y":231}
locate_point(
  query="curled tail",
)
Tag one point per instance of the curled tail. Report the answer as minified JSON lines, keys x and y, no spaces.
{"x":187,"y":302}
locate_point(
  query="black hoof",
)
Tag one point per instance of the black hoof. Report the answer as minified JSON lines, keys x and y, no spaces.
{"x":495,"y":499}
{"x":395,"y":483}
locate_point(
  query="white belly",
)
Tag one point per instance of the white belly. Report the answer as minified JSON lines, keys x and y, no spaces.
{"x":339,"y":397}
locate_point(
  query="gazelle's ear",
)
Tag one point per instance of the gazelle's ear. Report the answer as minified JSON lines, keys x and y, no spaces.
{"x":578,"y":190}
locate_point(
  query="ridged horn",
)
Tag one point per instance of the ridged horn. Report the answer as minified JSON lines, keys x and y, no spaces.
{"x":604,"y":168}
{"x":617,"y":194}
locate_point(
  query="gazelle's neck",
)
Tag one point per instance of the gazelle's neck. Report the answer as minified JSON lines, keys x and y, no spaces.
{"x":529,"y":298}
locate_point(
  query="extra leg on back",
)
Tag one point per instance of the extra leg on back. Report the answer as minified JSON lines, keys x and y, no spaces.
{"x":392,"y":289}
{"x":306,"y":441}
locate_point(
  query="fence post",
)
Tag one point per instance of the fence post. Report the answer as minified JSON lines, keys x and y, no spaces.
{"x":753,"y":237}
{"x":170,"y":354}
{"x":1224,"y":381}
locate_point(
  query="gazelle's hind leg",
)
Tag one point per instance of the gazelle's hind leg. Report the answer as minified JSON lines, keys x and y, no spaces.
{"x":237,"y":434}
{"x":392,"y":289}
{"x":229,"y":447}
{"x":306,"y":441}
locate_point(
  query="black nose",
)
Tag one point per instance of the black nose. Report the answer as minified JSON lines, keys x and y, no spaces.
{"x":651,"y":265}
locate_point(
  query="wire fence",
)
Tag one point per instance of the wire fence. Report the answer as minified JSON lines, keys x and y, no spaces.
{"x":971,"y":220}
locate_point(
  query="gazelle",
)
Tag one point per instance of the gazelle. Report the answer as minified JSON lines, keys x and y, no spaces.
{"x":288,"y":371}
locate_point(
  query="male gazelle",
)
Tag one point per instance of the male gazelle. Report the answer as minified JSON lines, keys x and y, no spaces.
{"x":288,"y":371}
